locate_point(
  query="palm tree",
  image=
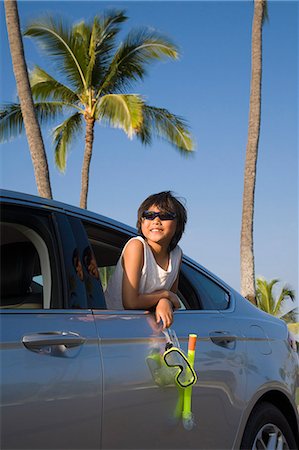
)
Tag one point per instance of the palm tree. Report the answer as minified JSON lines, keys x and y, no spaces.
{"x":98,"y":76}
{"x":35,"y":141}
{"x":246,"y":245}
{"x":267,"y":302}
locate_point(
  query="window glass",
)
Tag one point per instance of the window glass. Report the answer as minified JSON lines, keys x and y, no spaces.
{"x":89,"y":269}
{"x":186,"y":293}
{"x":76,"y":297}
{"x":38,"y":279}
{"x":209,"y":295}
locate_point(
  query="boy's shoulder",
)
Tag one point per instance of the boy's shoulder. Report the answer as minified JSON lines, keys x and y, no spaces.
{"x":135,"y":243}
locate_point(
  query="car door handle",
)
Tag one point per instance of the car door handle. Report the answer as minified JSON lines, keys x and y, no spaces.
{"x":223,"y":338}
{"x":51,"y":338}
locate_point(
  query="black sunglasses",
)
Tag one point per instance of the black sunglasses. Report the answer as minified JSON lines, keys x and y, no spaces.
{"x":151,"y":215}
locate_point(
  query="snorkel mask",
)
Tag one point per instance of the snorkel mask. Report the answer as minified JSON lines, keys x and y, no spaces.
{"x":185,"y":375}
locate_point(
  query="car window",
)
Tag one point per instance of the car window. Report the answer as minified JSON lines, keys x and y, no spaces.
{"x":25,"y":268}
{"x":196,"y":290}
{"x":107,"y":247}
{"x":200,"y":291}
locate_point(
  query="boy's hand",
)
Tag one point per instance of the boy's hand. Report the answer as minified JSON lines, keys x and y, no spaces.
{"x":164,"y":312}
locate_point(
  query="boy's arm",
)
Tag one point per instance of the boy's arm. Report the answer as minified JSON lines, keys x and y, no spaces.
{"x":132,"y":266}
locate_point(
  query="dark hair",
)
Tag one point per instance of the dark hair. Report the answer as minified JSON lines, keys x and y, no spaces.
{"x":166,"y":202}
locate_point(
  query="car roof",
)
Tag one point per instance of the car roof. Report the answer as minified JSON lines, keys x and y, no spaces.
{"x":54,"y":205}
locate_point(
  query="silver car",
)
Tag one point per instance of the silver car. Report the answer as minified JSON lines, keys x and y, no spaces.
{"x":75,"y":375}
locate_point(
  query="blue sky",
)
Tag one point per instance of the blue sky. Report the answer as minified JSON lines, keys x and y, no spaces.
{"x":209,"y":86}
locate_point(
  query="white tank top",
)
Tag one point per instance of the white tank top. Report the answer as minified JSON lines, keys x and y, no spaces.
{"x":153,"y":277}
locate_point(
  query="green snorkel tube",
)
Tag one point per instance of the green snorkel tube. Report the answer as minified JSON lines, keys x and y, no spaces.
{"x":185,"y":377}
{"x":188,"y":421}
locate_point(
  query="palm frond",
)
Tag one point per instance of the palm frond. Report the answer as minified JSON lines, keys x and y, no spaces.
{"x":84,"y":34}
{"x":45,"y":87}
{"x":109,"y":28}
{"x":264,"y":295}
{"x":105,"y":30}
{"x":265,"y":11}
{"x":82,"y":31}
{"x":272,"y":300}
{"x":290,"y":316}
{"x":163,"y":124}
{"x":286,"y":292}
{"x":62,"y":137}
{"x":91,"y":53}
{"x":121,"y":111}
{"x":59,"y":41}
{"x":97,"y":40}
{"x":11,"y":119}
{"x":140,"y":48}
{"x":48,"y":111}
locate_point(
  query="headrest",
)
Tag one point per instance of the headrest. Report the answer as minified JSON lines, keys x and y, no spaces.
{"x":17,"y":268}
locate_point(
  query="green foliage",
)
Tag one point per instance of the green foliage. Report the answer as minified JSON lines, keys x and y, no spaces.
{"x":95,"y":76}
{"x":130,"y":60}
{"x":265,"y":11}
{"x":60,"y":43}
{"x":165,"y":125}
{"x":268,"y":303}
{"x":62,"y":135}
{"x":105,"y":274}
{"x":44,"y":87}
{"x":11,"y":119}
{"x":121,"y":111}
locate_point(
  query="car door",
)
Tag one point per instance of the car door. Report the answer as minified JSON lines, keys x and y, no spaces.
{"x":142,"y":405}
{"x":51,"y":373}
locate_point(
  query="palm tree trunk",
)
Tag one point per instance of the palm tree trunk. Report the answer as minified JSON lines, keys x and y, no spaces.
{"x":247,"y":254}
{"x":89,"y":136}
{"x":35,"y":141}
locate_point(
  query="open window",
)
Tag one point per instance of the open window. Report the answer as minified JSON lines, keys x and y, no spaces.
{"x":107,"y":246}
{"x":196,"y":291}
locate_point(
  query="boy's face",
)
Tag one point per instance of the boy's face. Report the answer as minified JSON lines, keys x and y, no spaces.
{"x":158,"y":231}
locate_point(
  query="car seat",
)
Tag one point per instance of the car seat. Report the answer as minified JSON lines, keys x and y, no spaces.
{"x":18,"y":262}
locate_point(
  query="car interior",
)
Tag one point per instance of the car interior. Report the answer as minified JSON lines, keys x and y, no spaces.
{"x":25,"y":268}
